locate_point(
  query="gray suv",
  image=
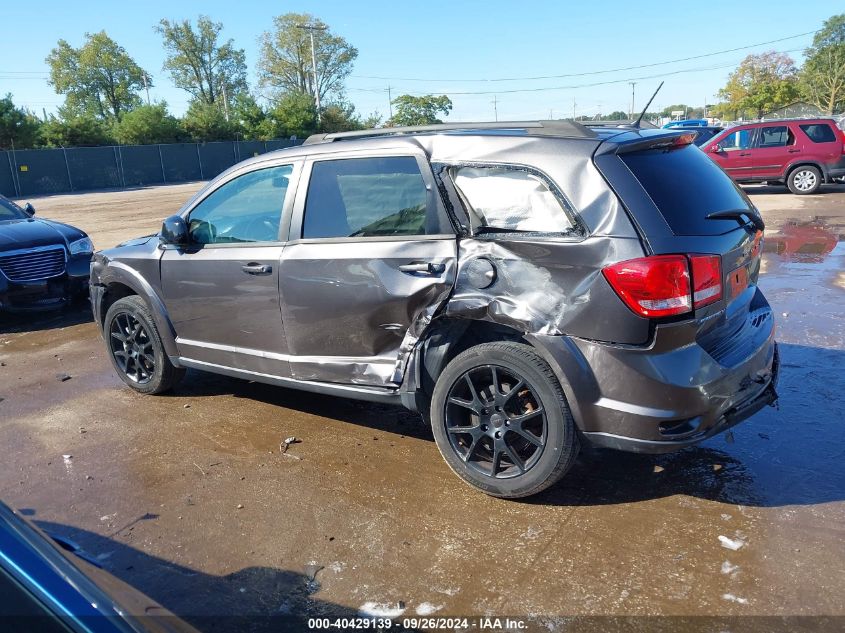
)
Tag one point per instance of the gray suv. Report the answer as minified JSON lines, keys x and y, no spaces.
{"x":527,"y":287}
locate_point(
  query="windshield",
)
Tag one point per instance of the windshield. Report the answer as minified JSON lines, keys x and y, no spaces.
{"x":10,"y":211}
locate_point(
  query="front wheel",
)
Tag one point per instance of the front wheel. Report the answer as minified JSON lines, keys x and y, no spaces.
{"x":501,"y":421}
{"x":135,"y":347}
{"x":804,"y":180}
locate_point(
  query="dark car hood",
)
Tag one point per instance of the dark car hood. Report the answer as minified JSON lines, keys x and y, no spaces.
{"x":32,"y":232}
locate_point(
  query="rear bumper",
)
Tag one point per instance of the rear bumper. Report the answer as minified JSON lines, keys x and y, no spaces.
{"x":674,"y":393}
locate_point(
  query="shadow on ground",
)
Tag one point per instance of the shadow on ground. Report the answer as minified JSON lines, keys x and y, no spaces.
{"x":251,"y":599}
{"x":786,"y":456}
{"x":74,"y":314}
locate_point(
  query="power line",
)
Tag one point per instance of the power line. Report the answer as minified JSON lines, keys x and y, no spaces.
{"x":571,"y":86}
{"x":596,"y":72}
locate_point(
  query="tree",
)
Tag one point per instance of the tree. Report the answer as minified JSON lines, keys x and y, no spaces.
{"x":18,"y":128}
{"x":293,"y":115}
{"x":248,"y":116}
{"x":761,"y":83}
{"x":199,"y":63}
{"x":823,"y":74}
{"x":285,"y":62}
{"x":419,"y":110}
{"x":75,"y":131}
{"x":98,"y":79}
{"x":148,"y":124}
{"x":206,"y":122}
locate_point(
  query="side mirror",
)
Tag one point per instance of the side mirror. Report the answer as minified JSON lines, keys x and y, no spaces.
{"x":714,"y":148}
{"x":29,"y":209}
{"x":174,"y":230}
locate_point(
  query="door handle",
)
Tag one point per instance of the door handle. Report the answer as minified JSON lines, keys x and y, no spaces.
{"x":424,"y":268}
{"x":793,"y":151}
{"x":257,"y":269}
{"x":745,"y":154}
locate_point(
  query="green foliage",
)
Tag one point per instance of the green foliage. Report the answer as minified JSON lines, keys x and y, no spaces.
{"x":760,"y":84}
{"x":285,"y":60}
{"x":98,"y":79}
{"x":410,"y":110}
{"x":78,"y":131}
{"x":822,"y":78}
{"x":248,"y":117}
{"x":340,"y":117}
{"x":148,"y":124}
{"x":293,"y":115}
{"x":207,"y":122}
{"x":199,"y":63}
{"x":18,"y":128}
{"x":617,"y":115}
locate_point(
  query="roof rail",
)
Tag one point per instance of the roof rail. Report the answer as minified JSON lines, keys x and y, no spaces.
{"x":564,"y":128}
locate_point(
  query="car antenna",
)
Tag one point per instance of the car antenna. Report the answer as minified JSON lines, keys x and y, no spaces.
{"x":642,"y":114}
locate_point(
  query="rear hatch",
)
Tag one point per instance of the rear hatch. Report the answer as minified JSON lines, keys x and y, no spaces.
{"x":684,"y":205}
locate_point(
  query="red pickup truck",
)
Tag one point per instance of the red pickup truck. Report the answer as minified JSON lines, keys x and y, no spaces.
{"x":803,"y":154}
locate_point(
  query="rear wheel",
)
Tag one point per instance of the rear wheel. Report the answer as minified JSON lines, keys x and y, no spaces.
{"x":501,"y":421}
{"x":135,"y":347}
{"x":804,"y":180}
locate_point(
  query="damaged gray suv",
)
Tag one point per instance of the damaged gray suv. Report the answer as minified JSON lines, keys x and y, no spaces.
{"x":527,"y":287}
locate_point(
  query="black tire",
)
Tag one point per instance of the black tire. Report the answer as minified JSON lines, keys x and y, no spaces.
{"x":135,"y":349}
{"x":804,"y":180}
{"x":527,"y":390}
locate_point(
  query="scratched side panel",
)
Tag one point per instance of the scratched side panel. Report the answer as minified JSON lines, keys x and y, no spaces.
{"x":349,"y":313}
{"x":549,"y":287}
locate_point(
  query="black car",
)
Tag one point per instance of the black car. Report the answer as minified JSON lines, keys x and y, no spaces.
{"x":43,"y":264}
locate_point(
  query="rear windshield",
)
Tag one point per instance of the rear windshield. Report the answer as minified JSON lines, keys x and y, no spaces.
{"x":686,"y":186}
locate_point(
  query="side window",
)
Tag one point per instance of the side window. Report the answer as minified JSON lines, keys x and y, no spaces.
{"x":245,"y":209}
{"x":819,"y":132}
{"x":511,"y":199}
{"x":366,"y":197}
{"x":776,"y":136}
{"x":741,"y":139}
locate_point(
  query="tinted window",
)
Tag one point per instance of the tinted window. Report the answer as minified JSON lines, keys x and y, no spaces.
{"x":776,"y":136}
{"x":245,"y":209}
{"x":705,"y":134}
{"x":686,"y":186}
{"x":819,"y":132}
{"x":741,"y":139}
{"x":10,"y":211}
{"x":505,"y":198}
{"x":365,"y":197}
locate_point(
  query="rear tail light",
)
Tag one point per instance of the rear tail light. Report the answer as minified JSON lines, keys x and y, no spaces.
{"x":706,"y":279}
{"x":666,"y":285}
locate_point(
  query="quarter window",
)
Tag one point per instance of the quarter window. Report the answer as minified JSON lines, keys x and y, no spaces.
{"x":511,"y":199}
{"x":819,"y":132}
{"x":245,"y":209}
{"x":776,"y":136}
{"x":366,"y":197}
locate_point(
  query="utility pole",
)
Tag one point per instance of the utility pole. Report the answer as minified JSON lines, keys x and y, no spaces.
{"x":225,"y":102}
{"x":146,"y":86}
{"x":633,"y":83}
{"x":495,"y":108}
{"x":311,"y":27}
{"x":573,"y":108}
{"x":389,"y":101}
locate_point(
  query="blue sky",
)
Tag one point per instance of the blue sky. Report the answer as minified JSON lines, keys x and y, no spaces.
{"x":455,"y":47}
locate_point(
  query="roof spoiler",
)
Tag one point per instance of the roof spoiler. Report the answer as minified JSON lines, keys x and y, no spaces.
{"x":560,"y":128}
{"x":666,"y":139}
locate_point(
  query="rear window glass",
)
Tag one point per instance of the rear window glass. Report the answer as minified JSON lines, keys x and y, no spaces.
{"x":686,"y":186}
{"x":819,"y":132}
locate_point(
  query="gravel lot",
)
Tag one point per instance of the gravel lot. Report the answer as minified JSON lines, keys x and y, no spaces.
{"x":187,"y":497}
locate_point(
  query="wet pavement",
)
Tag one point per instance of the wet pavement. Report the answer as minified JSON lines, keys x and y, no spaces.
{"x":189,"y":498}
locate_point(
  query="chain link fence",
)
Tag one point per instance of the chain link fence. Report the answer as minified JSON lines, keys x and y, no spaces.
{"x":32,"y":172}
